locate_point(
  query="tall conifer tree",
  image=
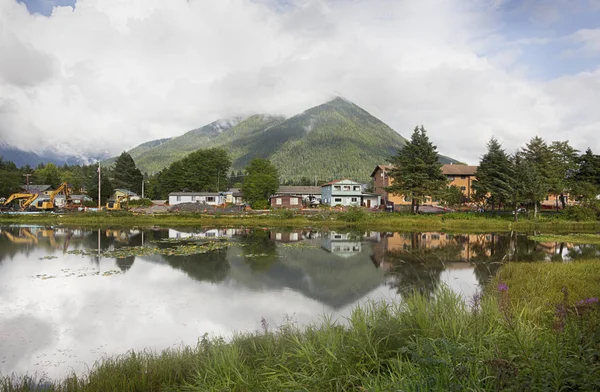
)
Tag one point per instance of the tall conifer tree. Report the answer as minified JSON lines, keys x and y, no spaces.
{"x":417,"y":172}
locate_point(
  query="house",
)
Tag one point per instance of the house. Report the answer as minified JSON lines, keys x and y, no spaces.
{"x":210,"y":198}
{"x":306,"y":192}
{"x":124,"y":192}
{"x":234,"y":196}
{"x":460,"y":175}
{"x":347,"y":193}
{"x":342,"y":244}
{"x":38,"y":189}
{"x":286,"y":201}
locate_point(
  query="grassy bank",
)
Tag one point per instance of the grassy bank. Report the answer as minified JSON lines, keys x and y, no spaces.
{"x":592,"y":239}
{"x":353,"y":219}
{"x":499,"y":340}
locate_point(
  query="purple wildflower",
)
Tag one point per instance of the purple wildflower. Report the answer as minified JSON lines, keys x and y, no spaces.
{"x":502,"y":287}
{"x":588,"y":301}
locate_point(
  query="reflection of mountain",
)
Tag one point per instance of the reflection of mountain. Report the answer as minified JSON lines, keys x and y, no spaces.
{"x":312,"y":271}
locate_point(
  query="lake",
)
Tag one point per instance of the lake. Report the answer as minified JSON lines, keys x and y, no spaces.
{"x":69,"y":296}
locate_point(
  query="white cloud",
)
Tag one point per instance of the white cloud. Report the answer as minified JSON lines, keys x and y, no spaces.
{"x":110,"y":74}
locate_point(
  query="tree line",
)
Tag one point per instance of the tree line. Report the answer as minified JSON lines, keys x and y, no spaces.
{"x":525,"y":177}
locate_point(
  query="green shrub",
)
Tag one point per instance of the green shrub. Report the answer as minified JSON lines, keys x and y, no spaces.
{"x":260,"y":205}
{"x":353,"y":214}
{"x":581,"y":213}
{"x":140,"y":202}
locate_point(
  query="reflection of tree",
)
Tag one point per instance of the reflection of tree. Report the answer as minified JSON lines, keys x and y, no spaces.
{"x":125,"y":263}
{"x":204,"y":267}
{"x":417,"y":268}
{"x":8,"y":249}
{"x":259,"y":250}
{"x":580,"y":252}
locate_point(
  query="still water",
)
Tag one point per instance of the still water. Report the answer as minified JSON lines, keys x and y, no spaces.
{"x":69,"y":296}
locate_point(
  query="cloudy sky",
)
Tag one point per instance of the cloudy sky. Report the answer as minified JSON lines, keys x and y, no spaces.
{"x":105,"y":75}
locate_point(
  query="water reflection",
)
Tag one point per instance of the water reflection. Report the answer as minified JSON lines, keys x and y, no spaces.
{"x":65,"y":303}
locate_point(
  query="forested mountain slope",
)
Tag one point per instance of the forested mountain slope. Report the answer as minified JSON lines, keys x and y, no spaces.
{"x":333,"y":140}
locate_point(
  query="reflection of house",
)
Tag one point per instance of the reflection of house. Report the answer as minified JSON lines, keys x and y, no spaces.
{"x":342,"y":244}
{"x":347,"y":193}
{"x":210,"y":198}
{"x":286,"y":236}
{"x":471,"y":244}
{"x":212,"y":233}
{"x":461,"y":176}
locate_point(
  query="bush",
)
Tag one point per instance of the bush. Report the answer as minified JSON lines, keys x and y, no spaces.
{"x":353,"y":214}
{"x":140,"y":202}
{"x":90,"y":203}
{"x":260,"y":205}
{"x":581,"y":213}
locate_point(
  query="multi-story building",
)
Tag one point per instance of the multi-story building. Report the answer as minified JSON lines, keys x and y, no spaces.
{"x":347,"y":193}
{"x":460,"y":175}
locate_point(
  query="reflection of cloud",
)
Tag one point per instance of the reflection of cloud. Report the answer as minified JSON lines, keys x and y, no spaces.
{"x":152,"y":305}
{"x":19,"y":337}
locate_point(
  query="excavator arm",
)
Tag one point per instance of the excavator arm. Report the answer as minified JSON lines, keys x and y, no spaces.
{"x":17,"y":196}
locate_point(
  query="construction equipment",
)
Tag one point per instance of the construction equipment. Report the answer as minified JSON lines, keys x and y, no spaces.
{"x":48,"y":204}
{"x":115,"y":205}
{"x":29,"y":198}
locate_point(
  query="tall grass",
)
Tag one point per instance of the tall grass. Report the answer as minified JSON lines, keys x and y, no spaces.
{"x":422,"y":344}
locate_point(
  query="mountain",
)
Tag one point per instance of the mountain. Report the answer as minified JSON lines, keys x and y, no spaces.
{"x":24,"y":157}
{"x":333,"y":140}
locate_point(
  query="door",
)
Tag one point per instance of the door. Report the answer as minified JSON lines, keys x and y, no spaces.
{"x":368,"y":203}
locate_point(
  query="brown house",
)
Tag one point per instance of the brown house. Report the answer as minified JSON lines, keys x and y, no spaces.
{"x":460,"y":175}
{"x":286,"y":201}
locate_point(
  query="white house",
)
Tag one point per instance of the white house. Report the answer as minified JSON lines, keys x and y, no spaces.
{"x":210,"y":198}
{"x":342,"y":244}
{"x":347,"y":193}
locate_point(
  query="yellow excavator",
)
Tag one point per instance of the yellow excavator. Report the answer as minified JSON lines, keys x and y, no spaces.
{"x":29,"y":198}
{"x":115,"y":205}
{"x":48,"y":204}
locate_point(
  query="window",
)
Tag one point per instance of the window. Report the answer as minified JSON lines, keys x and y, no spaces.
{"x":210,"y":199}
{"x":407,"y":199}
{"x":294,"y":201}
{"x":451,"y":178}
{"x":278,"y":236}
{"x":357,"y":188}
{"x":294,"y":237}
{"x":337,"y":236}
{"x":337,"y":188}
{"x":278,"y":201}
{"x":435,"y":236}
{"x":354,"y":199}
{"x":178,"y":198}
{"x":463,"y":177}
{"x":346,"y":187}
{"x":463,"y":188}
{"x":337,"y":200}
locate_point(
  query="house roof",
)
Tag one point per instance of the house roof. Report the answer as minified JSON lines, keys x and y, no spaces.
{"x":235,"y":192}
{"x":194,"y":194}
{"x":459,"y":170}
{"x":349,"y":182}
{"x":32,"y":188}
{"x":299,"y":190}
{"x":384,"y":168}
{"x":449,"y":170}
{"x":126,"y":191}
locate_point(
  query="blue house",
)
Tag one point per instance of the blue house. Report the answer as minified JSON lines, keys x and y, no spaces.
{"x":347,"y":193}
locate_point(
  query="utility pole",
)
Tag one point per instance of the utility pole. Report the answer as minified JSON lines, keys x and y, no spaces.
{"x":99,"y":185}
{"x":27,"y":181}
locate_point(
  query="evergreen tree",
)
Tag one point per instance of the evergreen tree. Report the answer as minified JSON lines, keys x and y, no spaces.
{"x":11,"y":178}
{"x":201,"y":171}
{"x":494,"y":175}
{"x":563,"y":163}
{"x":127,"y":175}
{"x":260,"y":182}
{"x":538,"y":157}
{"x":586,"y":179}
{"x":417,"y":172}
{"x":48,"y":175}
{"x":530,"y":185}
